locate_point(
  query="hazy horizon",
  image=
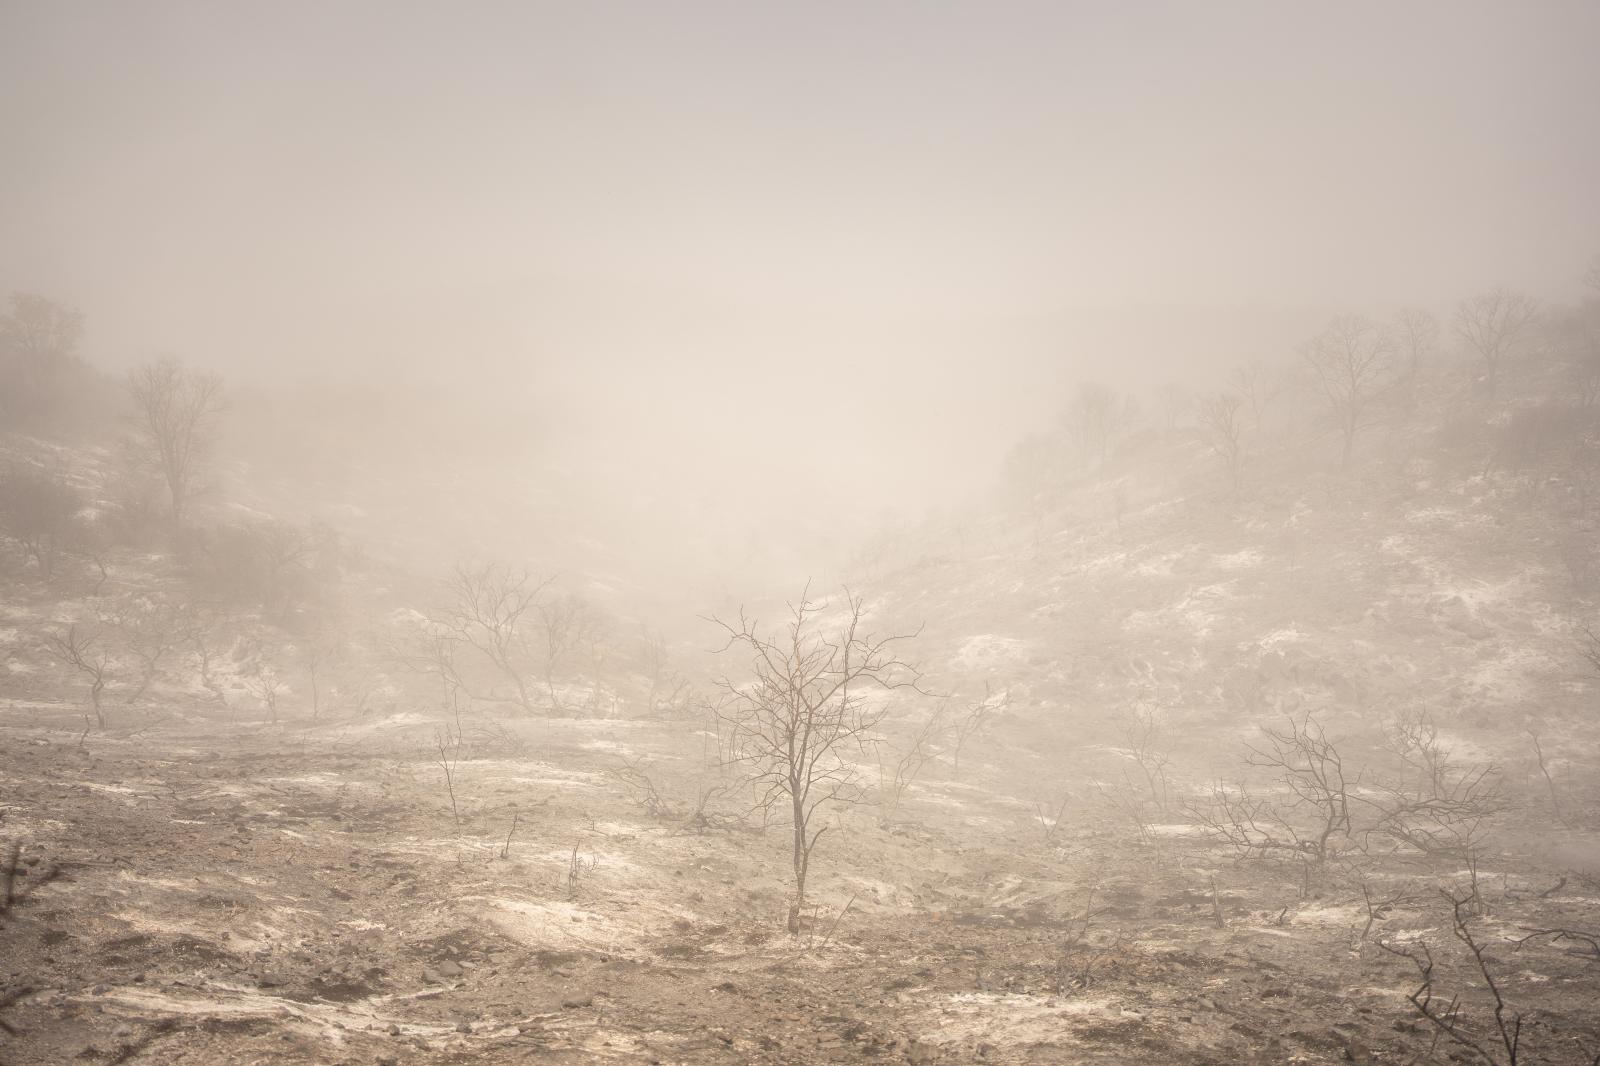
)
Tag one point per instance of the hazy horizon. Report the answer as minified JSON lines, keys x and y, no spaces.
{"x":900,"y":232}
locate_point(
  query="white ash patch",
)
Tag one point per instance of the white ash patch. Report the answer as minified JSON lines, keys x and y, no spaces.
{"x":564,"y":924}
{"x":1177,"y":829}
{"x":1286,"y":635}
{"x":1396,"y":544}
{"x":1012,"y":1018}
{"x":1328,"y":916}
{"x":869,"y":890}
{"x":331,"y":780}
{"x":116,"y":790}
{"x":219,"y":1000}
{"x":128,"y":877}
{"x":621,"y":829}
{"x":989,"y":650}
{"x":1159,"y":565}
{"x":1240,"y":560}
{"x":606,"y":744}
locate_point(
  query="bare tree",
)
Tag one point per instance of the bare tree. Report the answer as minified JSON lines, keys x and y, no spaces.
{"x":286,"y":553}
{"x":207,"y":641}
{"x":92,"y":539}
{"x":1351,"y":360}
{"x":1589,"y":647}
{"x":1259,"y":387}
{"x":40,"y":328}
{"x":1549,"y":779}
{"x":1312,"y":769}
{"x":447,"y":757}
{"x":1436,"y":806}
{"x":152,"y":629}
{"x":1416,"y":335}
{"x":1224,"y":430}
{"x":1504,"y":1046}
{"x":323,"y":650}
{"x":975,"y":719}
{"x":39,"y":364}
{"x":89,"y":657}
{"x":488,"y":612}
{"x":265,"y":685}
{"x":434,"y":652}
{"x":1493,"y":324}
{"x":567,"y":625}
{"x":904,"y":764}
{"x":1315,"y":807}
{"x":805,"y":701}
{"x":1144,"y":735}
{"x":176,"y":411}
{"x":669,"y":689}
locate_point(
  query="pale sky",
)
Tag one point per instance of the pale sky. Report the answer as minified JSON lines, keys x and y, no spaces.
{"x":726,"y":209}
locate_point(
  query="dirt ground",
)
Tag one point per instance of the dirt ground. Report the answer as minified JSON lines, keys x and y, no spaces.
{"x":232,"y":892}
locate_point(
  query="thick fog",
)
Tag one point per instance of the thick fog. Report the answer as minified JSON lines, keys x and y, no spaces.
{"x":901,"y":531}
{"x":769,"y":242}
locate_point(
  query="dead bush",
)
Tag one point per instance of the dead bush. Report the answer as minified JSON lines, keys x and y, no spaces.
{"x":1437,"y":807}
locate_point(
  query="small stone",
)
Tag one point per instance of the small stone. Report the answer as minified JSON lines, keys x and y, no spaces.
{"x":575,"y":1002}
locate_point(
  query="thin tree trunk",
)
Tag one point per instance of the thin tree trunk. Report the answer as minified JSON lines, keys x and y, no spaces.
{"x":799,"y":815}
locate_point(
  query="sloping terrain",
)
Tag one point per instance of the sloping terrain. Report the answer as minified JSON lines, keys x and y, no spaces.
{"x":1098,"y":869}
